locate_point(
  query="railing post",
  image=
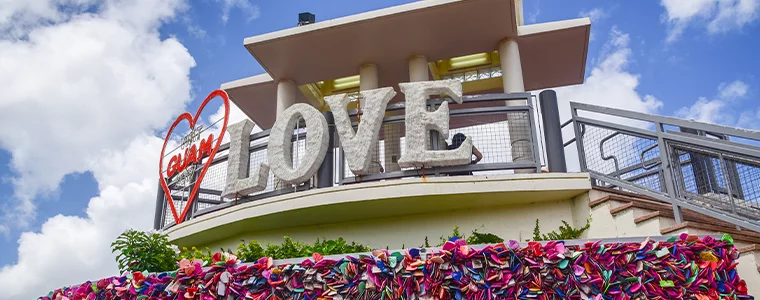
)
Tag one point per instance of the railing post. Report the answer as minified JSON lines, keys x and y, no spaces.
{"x":668,"y":174}
{"x":160,"y":208}
{"x":701,"y":172}
{"x":727,"y":181}
{"x":325,"y":175}
{"x":579,"y":140}
{"x":555,"y":150}
{"x":194,"y":205}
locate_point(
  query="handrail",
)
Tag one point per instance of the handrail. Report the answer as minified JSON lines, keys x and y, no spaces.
{"x":573,"y":139}
{"x":731,"y":203}
{"x":643,"y":163}
{"x":613,"y":157}
{"x":713,"y":128}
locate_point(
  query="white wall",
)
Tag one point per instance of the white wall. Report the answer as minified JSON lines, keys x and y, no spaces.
{"x":508,"y":222}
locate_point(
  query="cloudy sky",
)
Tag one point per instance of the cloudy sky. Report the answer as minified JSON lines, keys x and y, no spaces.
{"x":89,"y":86}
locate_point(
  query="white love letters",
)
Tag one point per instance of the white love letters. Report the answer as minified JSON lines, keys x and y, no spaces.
{"x":357,"y":144}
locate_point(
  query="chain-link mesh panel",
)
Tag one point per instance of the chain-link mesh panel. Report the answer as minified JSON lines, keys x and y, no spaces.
{"x":489,"y":133}
{"x":718,"y":180}
{"x":623,"y":156}
{"x":215,"y":177}
{"x":389,"y":149}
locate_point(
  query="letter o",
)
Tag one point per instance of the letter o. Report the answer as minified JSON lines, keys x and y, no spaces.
{"x":280,"y":149}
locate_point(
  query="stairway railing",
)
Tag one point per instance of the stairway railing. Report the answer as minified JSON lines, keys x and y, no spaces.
{"x":706,"y":168}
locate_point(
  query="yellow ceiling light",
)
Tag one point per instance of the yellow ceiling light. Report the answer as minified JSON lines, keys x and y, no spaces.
{"x":470,"y":61}
{"x":346,"y":82}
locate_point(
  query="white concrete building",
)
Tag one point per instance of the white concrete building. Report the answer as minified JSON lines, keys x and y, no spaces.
{"x":486,"y":45}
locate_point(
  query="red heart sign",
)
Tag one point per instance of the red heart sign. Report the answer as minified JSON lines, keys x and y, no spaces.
{"x":211,"y":153}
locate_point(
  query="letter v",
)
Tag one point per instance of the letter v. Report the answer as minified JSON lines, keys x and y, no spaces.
{"x":357,"y":145}
{"x":237,"y":163}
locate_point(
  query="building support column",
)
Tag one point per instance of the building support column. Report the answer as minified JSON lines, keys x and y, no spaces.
{"x":368,"y":80}
{"x":518,"y":124}
{"x":286,"y":97}
{"x":419,"y":71}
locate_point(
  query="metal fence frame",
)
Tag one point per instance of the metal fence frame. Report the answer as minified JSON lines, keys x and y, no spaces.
{"x":338,"y":167}
{"x":666,"y":141}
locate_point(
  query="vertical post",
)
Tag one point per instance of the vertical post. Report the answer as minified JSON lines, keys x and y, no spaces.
{"x":555,"y":149}
{"x":325,"y":175}
{"x":512,"y":81}
{"x":727,"y":181}
{"x":579,"y":131}
{"x":160,"y":212}
{"x":579,"y":140}
{"x":533,"y":138}
{"x":286,"y":95}
{"x":668,"y":173}
{"x":369,"y":80}
{"x":733,"y":175}
{"x":701,"y":172}
{"x":196,"y":199}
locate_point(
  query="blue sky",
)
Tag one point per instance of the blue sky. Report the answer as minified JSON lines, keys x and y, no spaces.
{"x":686,"y":60}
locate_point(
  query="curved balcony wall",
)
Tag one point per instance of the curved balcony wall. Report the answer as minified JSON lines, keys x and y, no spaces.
{"x":397,"y":213}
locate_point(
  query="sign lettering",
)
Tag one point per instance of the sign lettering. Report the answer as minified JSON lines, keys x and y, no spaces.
{"x":357,"y":143}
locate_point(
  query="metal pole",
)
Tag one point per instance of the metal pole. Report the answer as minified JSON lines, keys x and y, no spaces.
{"x":701,"y":172}
{"x":727,"y":181}
{"x":194,"y":205}
{"x":667,"y":171}
{"x":157,"y":224}
{"x":555,"y":150}
{"x":579,"y":141}
{"x":325,"y":175}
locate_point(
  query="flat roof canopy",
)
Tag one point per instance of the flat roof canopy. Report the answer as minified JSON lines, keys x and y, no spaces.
{"x":552,"y":54}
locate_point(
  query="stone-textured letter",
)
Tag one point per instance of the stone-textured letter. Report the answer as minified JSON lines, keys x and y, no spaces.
{"x":237,"y":163}
{"x":419,"y":122}
{"x":281,"y":144}
{"x":358,"y":144}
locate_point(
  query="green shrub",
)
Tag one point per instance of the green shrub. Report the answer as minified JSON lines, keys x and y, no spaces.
{"x":566,"y":232}
{"x":252,"y":251}
{"x":144,"y":251}
{"x":194,"y":253}
{"x":476,"y":238}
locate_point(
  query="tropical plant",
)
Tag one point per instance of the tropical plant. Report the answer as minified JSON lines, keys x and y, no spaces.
{"x":249,"y":252}
{"x":194,"y":253}
{"x":144,"y":251}
{"x":339,"y":246}
{"x":476,"y":238}
{"x":291,"y":249}
{"x":566,"y":232}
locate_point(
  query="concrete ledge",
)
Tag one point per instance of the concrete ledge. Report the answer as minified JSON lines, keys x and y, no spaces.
{"x":384,"y":199}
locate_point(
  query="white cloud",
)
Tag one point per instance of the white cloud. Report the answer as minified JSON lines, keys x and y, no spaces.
{"x":595,"y":14}
{"x":704,"y":110}
{"x":85,"y":87}
{"x":725,"y":108}
{"x":70,"y":250}
{"x":84,"y":91}
{"x":717,"y":16}
{"x":15,"y":16}
{"x":735,"y":89}
{"x":250,"y":11}
{"x":236,"y":115}
{"x":610,"y":84}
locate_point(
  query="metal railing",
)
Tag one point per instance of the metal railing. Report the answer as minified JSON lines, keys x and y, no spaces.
{"x":483,"y":117}
{"x":710,"y":169}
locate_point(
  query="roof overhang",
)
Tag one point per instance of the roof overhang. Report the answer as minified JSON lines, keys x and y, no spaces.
{"x":552,"y":54}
